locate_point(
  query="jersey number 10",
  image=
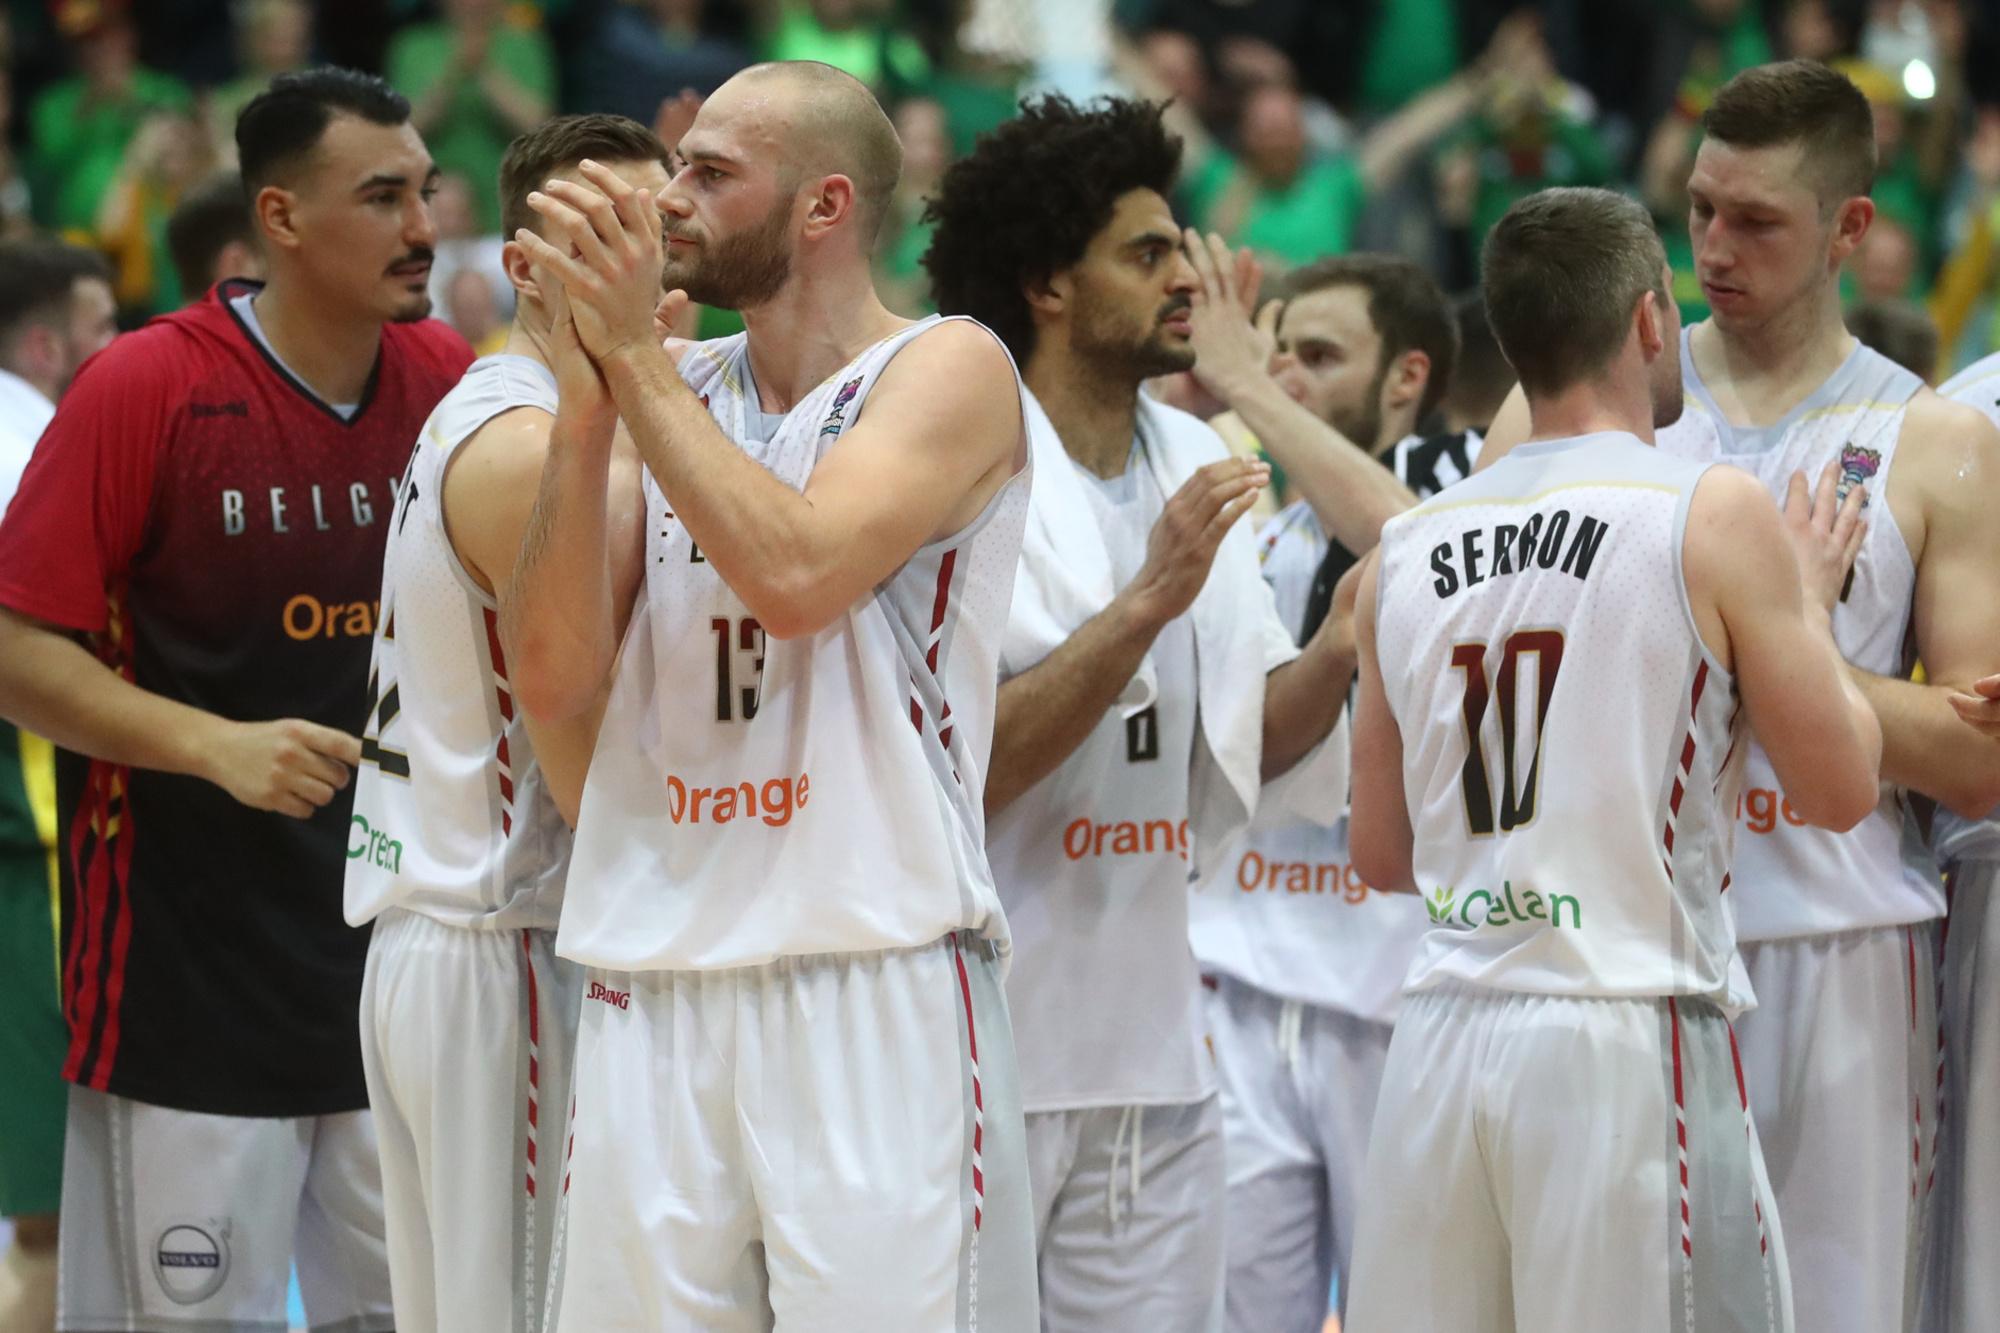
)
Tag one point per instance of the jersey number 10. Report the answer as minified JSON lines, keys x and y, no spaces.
{"x":1517,"y":801}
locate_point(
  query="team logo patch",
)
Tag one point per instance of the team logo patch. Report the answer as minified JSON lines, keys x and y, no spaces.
{"x":191,"y":1262}
{"x":1857,"y":467}
{"x":837,"y":417}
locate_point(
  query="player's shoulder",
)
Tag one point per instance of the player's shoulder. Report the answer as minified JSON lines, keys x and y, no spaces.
{"x":157,"y":363}
{"x":433,"y":348}
{"x":1943,"y":441}
{"x":959,"y":346}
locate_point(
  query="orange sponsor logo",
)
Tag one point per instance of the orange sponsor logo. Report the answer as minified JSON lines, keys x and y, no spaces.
{"x":1761,"y":809}
{"x":1126,"y":837}
{"x":773,"y":802}
{"x":1254,"y":873}
{"x":307,"y":617}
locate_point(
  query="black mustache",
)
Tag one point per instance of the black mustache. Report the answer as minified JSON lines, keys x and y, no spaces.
{"x":423,"y":254}
{"x":1175,"y":307}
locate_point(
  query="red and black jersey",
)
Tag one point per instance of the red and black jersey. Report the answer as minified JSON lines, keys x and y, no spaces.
{"x":216,"y":531}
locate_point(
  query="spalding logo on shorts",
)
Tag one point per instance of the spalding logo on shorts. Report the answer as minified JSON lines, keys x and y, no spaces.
{"x":192,"y":1263}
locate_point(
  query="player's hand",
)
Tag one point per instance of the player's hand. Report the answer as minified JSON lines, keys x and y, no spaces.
{"x":1979,"y":708}
{"x":605,"y":245}
{"x":291,"y":766}
{"x":1825,"y":533}
{"x":580,"y":387}
{"x":1232,"y":348}
{"x":675,"y":317}
{"x":1184,"y":539}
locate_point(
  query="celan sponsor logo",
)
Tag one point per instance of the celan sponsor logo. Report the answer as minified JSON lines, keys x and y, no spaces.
{"x":1125,"y":837}
{"x":367,"y":843}
{"x":773,"y":801}
{"x":1508,"y":905}
{"x":621,"y":999}
{"x":192,"y":1262}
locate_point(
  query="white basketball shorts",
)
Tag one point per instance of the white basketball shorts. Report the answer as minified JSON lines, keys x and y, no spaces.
{"x":1963,"y":1289}
{"x":1129,"y":1217}
{"x":1842,"y":1058}
{"x":1299,"y":1085}
{"x":1544,"y":1164}
{"x":466,"y":1037}
{"x":829,"y":1143}
{"x":182,"y":1220}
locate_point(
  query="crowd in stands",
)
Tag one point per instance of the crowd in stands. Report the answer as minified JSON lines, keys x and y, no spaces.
{"x":1314,"y":127}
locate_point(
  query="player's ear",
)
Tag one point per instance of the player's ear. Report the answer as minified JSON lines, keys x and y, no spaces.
{"x":1049,"y":296}
{"x":520,"y":270}
{"x":276,"y":212}
{"x":834,"y":202}
{"x":1408,"y":377}
{"x":1851,"y":222}
{"x":1650,"y":324}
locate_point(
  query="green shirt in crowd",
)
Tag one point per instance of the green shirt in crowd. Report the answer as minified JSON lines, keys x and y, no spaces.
{"x":77,"y":142}
{"x":471,"y":139}
{"x":1313,"y":216}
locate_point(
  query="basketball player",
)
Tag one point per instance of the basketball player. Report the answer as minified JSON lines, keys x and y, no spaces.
{"x":467,"y":1016}
{"x":795,"y":1094}
{"x":1305,"y":961}
{"x":56,"y":310}
{"x":1962,"y":1290}
{"x":1093,"y":810}
{"x":1545,"y":746}
{"x":211,"y":237}
{"x":1840,"y":929}
{"x":188,"y":578}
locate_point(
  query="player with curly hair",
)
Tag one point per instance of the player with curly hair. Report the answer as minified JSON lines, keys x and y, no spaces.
{"x":1148,"y":688}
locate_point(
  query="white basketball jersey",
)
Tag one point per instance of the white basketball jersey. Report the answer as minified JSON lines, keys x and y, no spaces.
{"x":1954,"y":838}
{"x":451,"y":818}
{"x":1283,"y":909}
{"x":1569,"y":745}
{"x":752,"y":798}
{"x":1792,"y":879}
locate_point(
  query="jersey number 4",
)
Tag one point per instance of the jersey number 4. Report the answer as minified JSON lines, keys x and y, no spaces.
{"x":1517,"y":800}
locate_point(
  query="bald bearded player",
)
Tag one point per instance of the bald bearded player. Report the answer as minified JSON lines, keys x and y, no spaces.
{"x":795,"y":1100}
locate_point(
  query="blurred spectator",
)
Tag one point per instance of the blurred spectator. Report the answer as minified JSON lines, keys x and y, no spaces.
{"x":1966,"y":277}
{"x":474,"y":81}
{"x":81,"y":126}
{"x":1885,"y":268}
{"x":1481,"y":379}
{"x":1321,"y":39}
{"x":1899,"y":330}
{"x":274,"y":37}
{"x":211,"y":237}
{"x":899,"y":253}
{"x":55,"y":314}
{"x":859,"y":36}
{"x":168,"y":157}
{"x":16,"y":198}
{"x":1293,"y":206}
{"x":462,"y":245}
{"x":642,"y":54}
{"x":1533,"y":130}
{"x":470,"y":307}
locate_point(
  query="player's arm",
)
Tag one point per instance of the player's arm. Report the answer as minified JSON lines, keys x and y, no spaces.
{"x":941,"y":433}
{"x":1510,"y":427}
{"x":1352,"y":493}
{"x":1953,"y":453}
{"x":565,"y":608}
{"x":70,"y":533}
{"x":1765,"y":585}
{"x":1045,"y":712}
{"x":1303,"y":698}
{"x":1379,"y":835}
{"x":53,"y":686}
{"x":489,"y":500}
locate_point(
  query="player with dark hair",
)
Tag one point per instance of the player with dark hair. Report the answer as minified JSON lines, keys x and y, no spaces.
{"x":467,"y":1015}
{"x":211,"y":237}
{"x":56,"y":311}
{"x":1840,"y":930}
{"x":1560,"y":660}
{"x":1148,"y":690}
{"x":187,"y":594}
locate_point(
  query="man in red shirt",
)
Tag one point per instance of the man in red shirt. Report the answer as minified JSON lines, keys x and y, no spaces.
{"x":187,"y":598}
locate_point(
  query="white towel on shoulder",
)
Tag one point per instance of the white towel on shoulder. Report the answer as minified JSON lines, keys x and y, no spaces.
{"x":1065,"y":579}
